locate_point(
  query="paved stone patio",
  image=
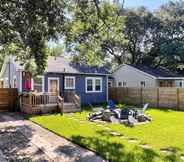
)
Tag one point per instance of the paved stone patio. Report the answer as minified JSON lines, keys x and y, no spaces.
{"x":23,"y":140}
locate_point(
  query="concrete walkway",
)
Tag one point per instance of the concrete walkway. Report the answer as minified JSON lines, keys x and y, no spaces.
{"x":23,"y":140}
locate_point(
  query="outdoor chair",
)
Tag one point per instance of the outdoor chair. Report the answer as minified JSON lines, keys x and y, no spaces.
{"x":111,"y":105}
{"x":141,"y":111}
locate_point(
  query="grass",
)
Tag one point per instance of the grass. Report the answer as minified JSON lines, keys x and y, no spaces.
{"x":166,"y":131}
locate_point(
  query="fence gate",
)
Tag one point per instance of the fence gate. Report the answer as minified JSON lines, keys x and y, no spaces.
{"x":8,"y":99}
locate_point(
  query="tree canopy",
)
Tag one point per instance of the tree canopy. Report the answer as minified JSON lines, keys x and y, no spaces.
{"x":95,"y":32}
{"x":28,"y":25}
{"x":135,"y":36}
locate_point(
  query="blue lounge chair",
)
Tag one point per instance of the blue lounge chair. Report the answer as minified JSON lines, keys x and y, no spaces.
{"x":111,"y":105}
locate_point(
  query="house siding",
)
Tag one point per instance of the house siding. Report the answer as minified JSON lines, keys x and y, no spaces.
{"x":9,"y":73}
{"x":132,"y":77}
{"x":86,"y":98}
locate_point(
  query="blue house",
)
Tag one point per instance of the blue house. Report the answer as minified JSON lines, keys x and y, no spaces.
{"x":62,"y":76}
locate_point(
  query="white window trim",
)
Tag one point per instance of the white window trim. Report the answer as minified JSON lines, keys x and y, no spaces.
{"x":43,"y":83}
{"x":52,"y":78}
{"x":70,"y":77}
{"x":93,"y":84}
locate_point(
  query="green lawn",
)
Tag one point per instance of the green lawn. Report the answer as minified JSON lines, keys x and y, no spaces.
{"x":165,"y":131}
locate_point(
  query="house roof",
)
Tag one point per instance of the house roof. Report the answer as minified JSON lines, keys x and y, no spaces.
{"x":64,"y":65}
{"x":156,"y":72}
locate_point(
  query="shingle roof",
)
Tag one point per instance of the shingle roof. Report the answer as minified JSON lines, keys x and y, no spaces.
{"x":64,"y":65}
{"x":157,"y":72}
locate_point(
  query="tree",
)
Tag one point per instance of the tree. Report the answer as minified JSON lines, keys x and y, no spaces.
{"x":135,"y":36}
{"x":172,"y":42}
{"x":57,"y":50}
{"x":29,"y":24}
{"x":92,"y":33}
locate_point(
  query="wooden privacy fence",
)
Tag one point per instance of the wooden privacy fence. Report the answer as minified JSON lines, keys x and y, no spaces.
{"x":156,"y":97}
{"x":8,"y":99}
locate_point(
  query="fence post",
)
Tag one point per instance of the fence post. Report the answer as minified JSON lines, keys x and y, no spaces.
{"x":158,"y":96}
{"x":178,"y":99}
{"x":141,"y":96}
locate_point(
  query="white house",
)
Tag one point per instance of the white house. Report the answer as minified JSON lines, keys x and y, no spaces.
{"x":145,"y":76}
{"x":11,"y":73}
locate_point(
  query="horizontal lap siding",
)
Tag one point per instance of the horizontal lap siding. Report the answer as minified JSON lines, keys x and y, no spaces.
{"x":86,"y":98}
{"x":90,"y":98}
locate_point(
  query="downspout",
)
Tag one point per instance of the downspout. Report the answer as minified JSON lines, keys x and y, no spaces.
{"x":9,"y":70}
{"x":107,"y":88}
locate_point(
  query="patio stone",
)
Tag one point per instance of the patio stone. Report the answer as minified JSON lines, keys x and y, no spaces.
{"x":99,"y":125}
{"x":132,"y":140}
{"x":167,"y":151}
{"x":115,"y":134}
{"x":107,"y":128}
{"x":82,"y":122}
{"x":145,"y":146}
{"x":124,"y":137}
{"x":100,"y":121}
{"x":182,"y":157}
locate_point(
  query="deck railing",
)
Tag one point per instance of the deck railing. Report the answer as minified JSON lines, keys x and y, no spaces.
{"x":41,"y":100}
{"x":74,"y":98}
{"x":34,"y":99}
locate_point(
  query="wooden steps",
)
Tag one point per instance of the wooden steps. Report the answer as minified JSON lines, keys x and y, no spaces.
{"x":70,"y":107}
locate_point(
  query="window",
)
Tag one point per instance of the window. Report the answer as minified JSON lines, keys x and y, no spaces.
{"x":161,"y":84}
{"x":181,"y":85}
{"x":109,"y":84}
{"x":38,"y":84}
{"x":143,"y":84}
{"x":69,"y":82}
{"x":119,"y":84}
{"x":93,"y":84}
{"x":6,"y":83}
{"x":124,"y":84}
{"x":89,"y":85}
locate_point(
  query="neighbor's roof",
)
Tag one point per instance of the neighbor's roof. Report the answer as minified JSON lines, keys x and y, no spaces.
{"x":156,"y":72}
{"x":64,"y":65}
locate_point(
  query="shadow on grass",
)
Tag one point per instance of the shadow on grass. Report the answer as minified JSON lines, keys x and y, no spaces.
{"x":114,"y":151}
{"x":118,"y":152}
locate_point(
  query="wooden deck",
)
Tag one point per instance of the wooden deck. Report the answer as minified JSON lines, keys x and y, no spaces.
{"x":39,"y":103}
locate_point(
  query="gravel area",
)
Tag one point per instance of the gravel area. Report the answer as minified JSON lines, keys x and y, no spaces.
{"x":24,"y":141}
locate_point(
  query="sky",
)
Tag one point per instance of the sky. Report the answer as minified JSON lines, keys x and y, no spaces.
{"x":150,"y":4}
